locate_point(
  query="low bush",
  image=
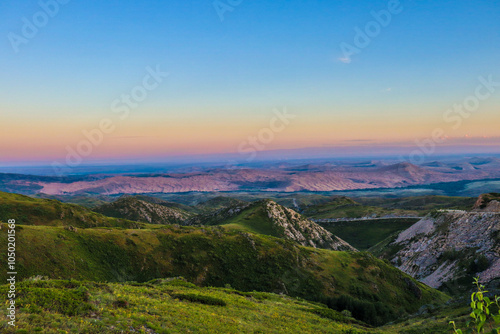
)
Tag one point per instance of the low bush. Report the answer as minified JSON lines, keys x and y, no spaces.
{"x":195,"y":298}
{"x":331,"y":314}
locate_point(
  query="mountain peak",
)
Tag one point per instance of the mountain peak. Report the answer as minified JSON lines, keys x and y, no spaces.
{"x":270,"y":218}
{"x":289,"y":224}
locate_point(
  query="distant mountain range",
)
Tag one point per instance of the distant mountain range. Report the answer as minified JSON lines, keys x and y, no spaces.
{"x":281,"y":178}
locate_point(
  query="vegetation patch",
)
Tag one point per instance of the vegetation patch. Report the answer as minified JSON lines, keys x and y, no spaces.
{"x":195,"y":298}
{"x":367,"y":233}
{"x":63,"y":297}
{"x":126,"y":308}
{"x":332,"y":315}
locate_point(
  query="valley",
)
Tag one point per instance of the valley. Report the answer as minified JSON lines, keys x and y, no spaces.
{"x":349,"y":263}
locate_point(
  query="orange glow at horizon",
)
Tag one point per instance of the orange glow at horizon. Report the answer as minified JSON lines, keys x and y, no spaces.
{"x":166,"y":136}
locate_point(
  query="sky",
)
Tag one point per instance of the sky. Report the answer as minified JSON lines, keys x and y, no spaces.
{"x":103,"y":81}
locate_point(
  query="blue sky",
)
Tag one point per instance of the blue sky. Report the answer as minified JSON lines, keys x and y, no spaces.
{"x":261,"y":56}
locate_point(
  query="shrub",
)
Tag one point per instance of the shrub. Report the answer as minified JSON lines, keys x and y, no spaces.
{"x":373,"y":313}
{"x":331,"y":314}
{"x":174,"y":281}
{"x":207,"y":300}
{"x":479,"y":264}
{"x":121,"y":303}
{"x":450,"y":255}
{"x":69,"y":302}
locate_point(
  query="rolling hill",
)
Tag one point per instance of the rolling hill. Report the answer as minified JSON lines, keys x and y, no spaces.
{"x":166,"y":306}
{"x":32,"y":211}
{"x":218,"y":203}
{"x":173,"y":305}
{"x":269,"y":218}
{"x":367,"y":233}
{"x":372,"y":290}
{"x":345,"y":207}
{"x":422,"y":205}
{"x":213,"y":256}
{"x":143,"y":210}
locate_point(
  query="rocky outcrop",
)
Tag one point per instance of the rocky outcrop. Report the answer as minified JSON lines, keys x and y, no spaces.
{"x":139,"y":210}
{"x":293,"y":226}
{"x":451,"y":244}
{"x":488,"y":203}
{"x":268,"y":217}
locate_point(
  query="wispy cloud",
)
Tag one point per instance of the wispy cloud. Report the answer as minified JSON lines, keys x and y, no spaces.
{"x":345,"y":60}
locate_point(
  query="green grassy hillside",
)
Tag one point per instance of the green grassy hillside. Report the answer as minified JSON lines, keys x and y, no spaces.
{"x":213,"y":257}
{"x":219,"y":202}
{"x":421,"y":204}
{"x":252,"y":219}
{"x":365,"y":234}
{"x":269,"y":218}
{"x":176,"y":306}
{"x":344,"y":207}
{"x":166,"y":306}
{"x":87,"y":200}
{"x":32,"y":211}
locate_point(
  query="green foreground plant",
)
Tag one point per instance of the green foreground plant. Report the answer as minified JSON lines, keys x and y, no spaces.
{"x":484,"y":319}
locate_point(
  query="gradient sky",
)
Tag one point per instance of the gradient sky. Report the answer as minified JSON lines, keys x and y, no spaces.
{"x":226,"y":77}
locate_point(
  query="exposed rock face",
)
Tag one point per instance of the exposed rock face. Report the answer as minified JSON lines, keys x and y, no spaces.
{"x":138,"y":210}
{"x":277,"y":221}
{"x":294,"y":226}
{"x":488,"y":203}
{"x":449,"y":245}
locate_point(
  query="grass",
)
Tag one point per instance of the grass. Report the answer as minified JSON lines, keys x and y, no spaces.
{"x":253,"y":219}
{"x":211,"y":256}
{"x":344,"y":207}
{"x":367,"y":233}
{"x":241,"y":259}
{"x":177,"y":306}
{"x":421,"y":204}
{"x":167,"y":307}
{"x":86,"y":200}
{"x":433,"y":321}
{"x":32,"y":211}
